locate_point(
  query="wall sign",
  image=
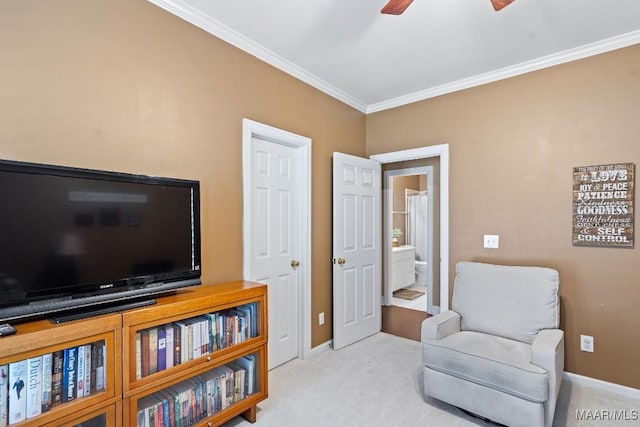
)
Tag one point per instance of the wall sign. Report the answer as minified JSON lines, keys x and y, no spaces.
{"x":603,"y":199}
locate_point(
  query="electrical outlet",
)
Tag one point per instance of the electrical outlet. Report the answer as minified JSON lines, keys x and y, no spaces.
{"x":586,"y":343}
{"x":491,"y":241}
{"x":321,"y":318}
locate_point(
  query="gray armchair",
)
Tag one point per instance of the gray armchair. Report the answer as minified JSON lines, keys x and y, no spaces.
{"x":498,"y":353}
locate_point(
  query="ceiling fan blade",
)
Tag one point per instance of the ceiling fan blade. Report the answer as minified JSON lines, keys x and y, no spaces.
{"x":499,"y":4}
{"x":396,"y":7}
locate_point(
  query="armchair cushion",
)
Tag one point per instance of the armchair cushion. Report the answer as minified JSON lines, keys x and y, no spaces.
{"x":492,"y":361}
{"x":509,"y":301}
{"x":440,"y":325}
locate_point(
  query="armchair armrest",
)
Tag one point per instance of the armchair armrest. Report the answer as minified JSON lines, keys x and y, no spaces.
{"x":547,"y":351}
{"x":440,"y":325}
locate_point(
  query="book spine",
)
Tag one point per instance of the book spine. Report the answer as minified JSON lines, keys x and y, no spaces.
{"x":243,"y":329}
{"x":195,"y":343}
{"x":87,"y":369}
{"x":165,"y":410}
{"x":17,"y":398}
{"x":221,"y":331}
{"x":69,"y":374}
{"x":138,"y":355}
{"x":189,"y":346}
{"x":94,"y":367}
{"x":34,"y":387}
{"x":57,"y":362}
{"x":236,"y":326}
{"x":168,"y":331}
{"x":217,"y":395}
{"x":162,"y":349}
{"x":80,"y":372}
{"x":153,"y":350}
{"x":213,"y":318}
{"x":209,"y":331}
{"x":180,"y":336}
{"x":211,"y":326}
{"x":210,"y":394}
{"x":228,"y":330}
{"x":230,"y":386}
{"x":100,"y":366}
{"x":140,"y":421}
{"x":47,"y":360}
{"x":206,"y":335}
{"x":192,"y":406}
{"x":144,"y":348}
{"x":4,"y":395}
{"x":177,"y":344}
{"x":254,"y":319}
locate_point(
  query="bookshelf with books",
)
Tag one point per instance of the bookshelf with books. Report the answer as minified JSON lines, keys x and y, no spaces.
{"x":184,"y":353}
{"x":51,"y":372}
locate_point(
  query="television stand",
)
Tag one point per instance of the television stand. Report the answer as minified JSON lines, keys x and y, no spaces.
{"x":116,"y":393}
{"x":99,"y":310}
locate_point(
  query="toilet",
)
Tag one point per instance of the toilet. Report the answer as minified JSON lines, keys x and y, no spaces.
{"x":421,"y":273}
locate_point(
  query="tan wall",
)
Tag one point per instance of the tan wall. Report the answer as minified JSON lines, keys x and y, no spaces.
{"x":513,"y":145}
{"x":123,"y":85}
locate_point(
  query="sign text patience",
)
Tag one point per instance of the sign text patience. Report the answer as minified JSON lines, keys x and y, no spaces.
{"x":603,"y":205}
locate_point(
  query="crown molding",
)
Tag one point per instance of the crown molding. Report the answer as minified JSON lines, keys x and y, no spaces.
{"x":218,"y":29}
{"x":569,"y":55}
{"x":223,"y":32}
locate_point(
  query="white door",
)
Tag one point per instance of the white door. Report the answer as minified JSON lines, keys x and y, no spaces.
{"x":357,"y":251}
{"x":274,"y":243}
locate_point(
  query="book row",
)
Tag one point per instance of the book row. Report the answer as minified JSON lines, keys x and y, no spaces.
{"x":35,"y":385}
{"x":188,"y":402}
{"x":164,"y":346}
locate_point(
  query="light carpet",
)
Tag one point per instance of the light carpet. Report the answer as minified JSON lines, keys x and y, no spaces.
{"x":378,"y":382}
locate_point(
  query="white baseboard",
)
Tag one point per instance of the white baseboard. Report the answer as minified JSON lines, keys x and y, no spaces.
{"x":625,"y":391}
{"x":318,"y":349}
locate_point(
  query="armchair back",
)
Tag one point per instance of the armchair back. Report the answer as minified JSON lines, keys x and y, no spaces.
{"x":513,"y":302}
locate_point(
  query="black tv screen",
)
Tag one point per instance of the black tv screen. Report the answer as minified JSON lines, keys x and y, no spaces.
{"x":74,"y":237}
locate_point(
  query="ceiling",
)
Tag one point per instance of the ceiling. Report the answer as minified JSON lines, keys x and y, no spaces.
{"x":373,"y":62}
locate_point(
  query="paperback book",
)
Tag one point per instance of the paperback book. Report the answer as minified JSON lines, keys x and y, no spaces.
{"x":46,"y":382}
{"x":4,"y":395}
{"x":17,"y":394}
{"x":34,"y":387}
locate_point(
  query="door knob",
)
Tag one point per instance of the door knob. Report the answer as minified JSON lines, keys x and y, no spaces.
{"x":341,"y":261}
{"x":294,"y":263}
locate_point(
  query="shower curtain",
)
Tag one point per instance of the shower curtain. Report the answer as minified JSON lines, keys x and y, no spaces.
{"x":417,"y":223}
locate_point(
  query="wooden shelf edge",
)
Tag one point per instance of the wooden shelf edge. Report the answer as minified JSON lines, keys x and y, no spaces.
{"x":192,"y":367}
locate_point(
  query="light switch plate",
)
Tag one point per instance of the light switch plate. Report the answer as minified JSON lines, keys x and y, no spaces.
{"x":491,"y":241}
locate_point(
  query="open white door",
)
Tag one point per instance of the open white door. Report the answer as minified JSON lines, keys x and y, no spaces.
{"x":357,"y":251}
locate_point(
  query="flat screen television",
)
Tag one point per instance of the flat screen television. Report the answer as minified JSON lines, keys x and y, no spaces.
{"x":75,"y":238}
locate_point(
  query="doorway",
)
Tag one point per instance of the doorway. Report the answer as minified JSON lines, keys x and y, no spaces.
{"x":409,"y":220}
{"x":277,"y":233}
{"x":441,"y":262}
{"x":407,"y":322}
